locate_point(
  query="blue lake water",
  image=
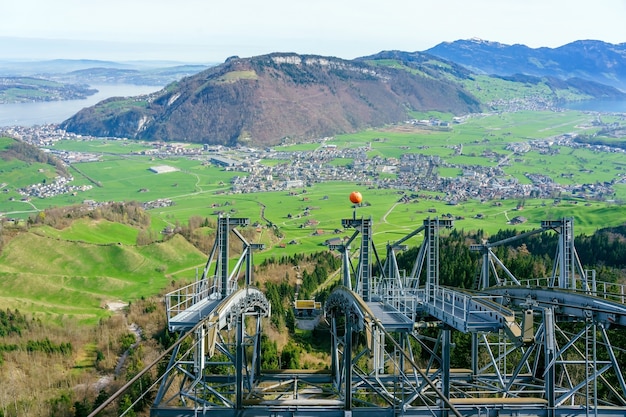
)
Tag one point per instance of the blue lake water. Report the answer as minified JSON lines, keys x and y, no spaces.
{"x":604,"y":106}
{"x":29,"y":114}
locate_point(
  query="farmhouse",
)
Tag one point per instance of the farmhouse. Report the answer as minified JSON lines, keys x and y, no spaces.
{"x":518,"y":220}
{"x":333,"y":241}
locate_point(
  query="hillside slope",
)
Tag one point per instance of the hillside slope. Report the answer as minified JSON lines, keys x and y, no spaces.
{"x":597,"y":61}
{"x":51,"y":276}
{"x":266,"y":99}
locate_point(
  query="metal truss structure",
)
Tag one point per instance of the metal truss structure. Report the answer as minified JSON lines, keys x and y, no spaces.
{"x":537,"y":347}
{"x":220,"y":363}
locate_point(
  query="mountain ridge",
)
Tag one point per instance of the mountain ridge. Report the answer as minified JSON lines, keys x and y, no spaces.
{"x":269,"y":98}
{"x":593,"y":60}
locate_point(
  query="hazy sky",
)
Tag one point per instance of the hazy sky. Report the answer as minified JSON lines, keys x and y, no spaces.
{"x":211,"y":31}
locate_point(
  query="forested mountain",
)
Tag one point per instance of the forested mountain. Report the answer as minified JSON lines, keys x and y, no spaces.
{"x":591,"y":60}
{"x":426,"y":64}
{"x":265,"y":99}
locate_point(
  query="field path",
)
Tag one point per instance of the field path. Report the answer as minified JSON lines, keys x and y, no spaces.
{"x":34,"y":210}
{"x":262,"y":213}
{"x":197,"y":184}
{"x":505,"y":159}
{"x":389,"y":211}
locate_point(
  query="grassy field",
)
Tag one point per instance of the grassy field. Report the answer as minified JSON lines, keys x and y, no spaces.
{"x":54,"y":277}
{"x":489,"y":89}
{"x":101,"y":146}
{"x":89,"y":231}
{"x":75,"y":271}
{"x":196,"y":189}
{"x":19,"y":174}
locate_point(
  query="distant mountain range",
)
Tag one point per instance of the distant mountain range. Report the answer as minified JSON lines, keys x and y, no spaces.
{"x":271,"y":98}
{"x":93,"y":72}
{"x":597,"y":61}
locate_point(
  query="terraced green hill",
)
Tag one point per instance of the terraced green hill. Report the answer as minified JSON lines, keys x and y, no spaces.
{"x":51,"y":276}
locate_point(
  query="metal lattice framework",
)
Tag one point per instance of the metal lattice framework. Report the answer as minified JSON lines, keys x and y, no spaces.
{"x":539,"y":347}
{"x":535,"y":350}
{"x":220,"y":364}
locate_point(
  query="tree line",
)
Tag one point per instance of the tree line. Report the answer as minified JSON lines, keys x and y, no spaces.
{"x":30,"y":153}
{"x":530,"y":257}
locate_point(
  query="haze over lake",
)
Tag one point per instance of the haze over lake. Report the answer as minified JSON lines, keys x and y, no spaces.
{"x":39,"y":113}
{"x":601,"y":105}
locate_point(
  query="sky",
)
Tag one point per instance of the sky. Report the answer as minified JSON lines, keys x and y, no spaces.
{"x":206,"y":31}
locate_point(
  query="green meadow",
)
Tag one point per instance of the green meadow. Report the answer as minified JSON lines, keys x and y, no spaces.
{"x":77,"y":270}
{"x":88,"y":231}
{"x":53,"y":277}
{"x":102,"y":146}
{"x":16,"y":174}
{"x":198,"y":189}
{"x":489,"y":89}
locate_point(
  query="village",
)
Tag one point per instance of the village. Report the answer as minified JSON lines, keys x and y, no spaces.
{"x":295,"y":170}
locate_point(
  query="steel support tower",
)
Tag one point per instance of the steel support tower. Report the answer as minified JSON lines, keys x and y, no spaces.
{"x":220,"y":363}
{"x":540,"y":346}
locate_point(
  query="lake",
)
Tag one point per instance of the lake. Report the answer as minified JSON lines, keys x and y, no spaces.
{"x":29,"y":114}
{"x":604,"y":106}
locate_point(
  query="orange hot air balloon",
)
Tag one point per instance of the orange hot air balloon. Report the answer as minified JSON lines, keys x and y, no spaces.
{"x":356,"y":197}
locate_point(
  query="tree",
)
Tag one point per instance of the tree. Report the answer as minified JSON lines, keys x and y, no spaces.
{"x":81,"y":409}
{"x":290,"y":358}
{"x":269,"y":353}
{"x":290,"y":321}
{"x":126,"y":405}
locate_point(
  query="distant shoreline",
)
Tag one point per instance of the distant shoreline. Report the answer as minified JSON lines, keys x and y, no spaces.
{"x":51,"y":112}
{"x":598,"y":105}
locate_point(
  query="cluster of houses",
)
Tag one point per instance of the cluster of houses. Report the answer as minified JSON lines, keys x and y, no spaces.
{"x":60,"y":185}
{"x":412,"y":172}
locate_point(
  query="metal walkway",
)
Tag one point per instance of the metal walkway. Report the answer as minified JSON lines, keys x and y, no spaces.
{"x":539,"y":347}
